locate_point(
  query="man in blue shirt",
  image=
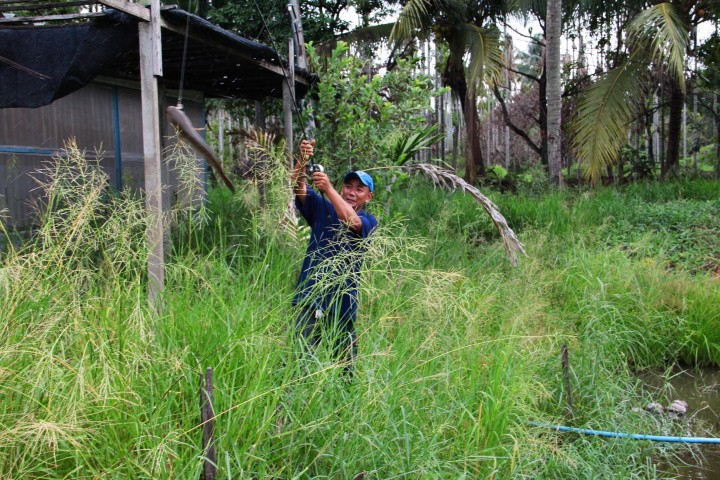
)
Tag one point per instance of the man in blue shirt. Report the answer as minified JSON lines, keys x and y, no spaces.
{"x":327,"y":291}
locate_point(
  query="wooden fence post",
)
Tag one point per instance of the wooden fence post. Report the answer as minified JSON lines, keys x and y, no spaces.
{"x":207,"y":417}
{"x":566,"y":374}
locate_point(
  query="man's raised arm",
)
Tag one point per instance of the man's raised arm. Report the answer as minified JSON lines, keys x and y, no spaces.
{"x":307,"y":149}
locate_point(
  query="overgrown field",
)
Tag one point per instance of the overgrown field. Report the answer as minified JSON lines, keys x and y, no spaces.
{"x":458,"y":350}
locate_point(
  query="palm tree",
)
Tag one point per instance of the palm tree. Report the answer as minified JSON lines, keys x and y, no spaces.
{"x":554,"y":90}
{"x":463,"y":25}
{"x":659,"y":36}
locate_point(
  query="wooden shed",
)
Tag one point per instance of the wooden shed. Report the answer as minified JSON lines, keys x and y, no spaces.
{"x":79,"y":76}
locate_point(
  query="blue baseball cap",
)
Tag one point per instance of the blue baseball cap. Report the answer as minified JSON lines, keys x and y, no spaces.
{"x":364,"y":178}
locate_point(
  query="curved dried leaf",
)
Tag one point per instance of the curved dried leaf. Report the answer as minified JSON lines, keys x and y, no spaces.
{"x":448,"y":180}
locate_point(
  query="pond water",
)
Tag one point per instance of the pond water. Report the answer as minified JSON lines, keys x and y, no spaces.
{"x":699,"y":388}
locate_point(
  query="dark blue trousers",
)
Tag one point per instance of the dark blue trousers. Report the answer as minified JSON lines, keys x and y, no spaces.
{"x":311,"y":327}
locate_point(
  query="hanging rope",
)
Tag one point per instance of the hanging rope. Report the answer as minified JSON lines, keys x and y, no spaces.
{"x":184,"y":126}
{"x":182,"y":65}
{"x":282,"y":67}
{"x":291,"y":90}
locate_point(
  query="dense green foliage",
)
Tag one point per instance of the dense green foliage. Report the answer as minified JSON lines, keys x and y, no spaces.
{"x":359,"y":116}
{"x":458,"y":350}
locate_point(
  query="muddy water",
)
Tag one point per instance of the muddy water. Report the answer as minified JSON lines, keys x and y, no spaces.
{"x":700,"y":389}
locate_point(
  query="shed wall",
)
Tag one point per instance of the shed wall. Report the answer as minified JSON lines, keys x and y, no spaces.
{"x":106,"y":122}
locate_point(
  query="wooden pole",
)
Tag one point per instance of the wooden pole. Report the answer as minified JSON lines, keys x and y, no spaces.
{"x":298,"y":30}
{"x":207,"y":417}
{"x":152,"y":160}
{"x":288,"y":96}
{"x":221,"y":137}
{"x":566,"y":375}
{"x":260,"y":114}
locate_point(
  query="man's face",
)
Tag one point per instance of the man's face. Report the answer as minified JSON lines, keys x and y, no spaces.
{"x":356,"y":194}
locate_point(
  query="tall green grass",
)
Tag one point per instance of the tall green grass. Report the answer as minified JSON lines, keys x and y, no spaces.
{"x":457,"y":350}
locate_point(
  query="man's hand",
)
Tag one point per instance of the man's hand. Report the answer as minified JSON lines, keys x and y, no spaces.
{"x":322,"y":182}
{"x":307,"y":149}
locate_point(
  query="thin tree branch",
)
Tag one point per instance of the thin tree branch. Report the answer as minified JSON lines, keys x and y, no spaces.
{"x":708,"y":107}
{"x":533,"y":39}
{"x":527,"y":75}
{"x":513,"y":127}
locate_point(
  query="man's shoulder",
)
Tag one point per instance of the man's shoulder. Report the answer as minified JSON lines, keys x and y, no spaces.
{"x":364,"y":214}
{"x":369,"y":222}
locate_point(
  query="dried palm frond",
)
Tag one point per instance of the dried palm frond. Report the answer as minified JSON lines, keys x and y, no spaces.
{"x":262,"y":146}
{"x":446,"y":179}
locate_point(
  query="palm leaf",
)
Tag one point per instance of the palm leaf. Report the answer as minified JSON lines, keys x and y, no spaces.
{"x":374,"y":33}
{"x":485,"y":48}
{"x":659,"y":30}
{"x":413,"y":18}
{"x":447,"y":179}
{"x":604,"y":111}
{"x":404,"y":148}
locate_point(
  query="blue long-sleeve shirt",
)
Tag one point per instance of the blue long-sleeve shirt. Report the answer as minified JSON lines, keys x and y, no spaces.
{"x":330,"y":272}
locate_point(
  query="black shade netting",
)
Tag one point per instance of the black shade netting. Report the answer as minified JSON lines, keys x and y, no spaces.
{"x":41,"y":64}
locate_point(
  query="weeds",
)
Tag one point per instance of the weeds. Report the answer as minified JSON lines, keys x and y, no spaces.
{"x":457,"y":350}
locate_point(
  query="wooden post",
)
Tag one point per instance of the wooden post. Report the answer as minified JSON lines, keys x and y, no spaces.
{"x":152,"y":161}
{"x":221,"y":137}
{"x":207,"y":417}
{"x":260,"y":114}
{"x":288,"y":102}
{"x":298,"y":31}
{"x":566,"y":375}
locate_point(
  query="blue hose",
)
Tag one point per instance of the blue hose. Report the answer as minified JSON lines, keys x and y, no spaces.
{"x":633,"y":436}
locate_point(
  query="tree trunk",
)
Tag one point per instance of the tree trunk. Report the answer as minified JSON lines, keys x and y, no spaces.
{"x":671,"y":166}
{"x":697,"y":127}
{"x":456,"y":134}
{"x":661,"y":152}
{"x":650,"y":139}
{"x":474,"y":164}
{"x":717,"y":136}
{"x":455,"y":79}
{"x":508,"y":94}
{"x":554,"y":100}
{"x":543,"y":117}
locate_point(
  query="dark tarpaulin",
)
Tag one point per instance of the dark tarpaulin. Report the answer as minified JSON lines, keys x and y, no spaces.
{"x":61,"y":59}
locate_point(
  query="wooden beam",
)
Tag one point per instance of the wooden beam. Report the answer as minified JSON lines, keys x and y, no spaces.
{"x":157,"y":37}
{"x":43,"y":6}
{"x":144,"y":14}
{"x":153,"y":166}
{"x":10,"y":2}
{"x":277,"y":69}
{"x":192,"y":95}
{"x":50,"y":18}
{"x":134,"y":9}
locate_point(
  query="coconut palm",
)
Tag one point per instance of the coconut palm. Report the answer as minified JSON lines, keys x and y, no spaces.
{"x":554,"y":90}
{"x":658,"y":36}
{"x":465,"y":27}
